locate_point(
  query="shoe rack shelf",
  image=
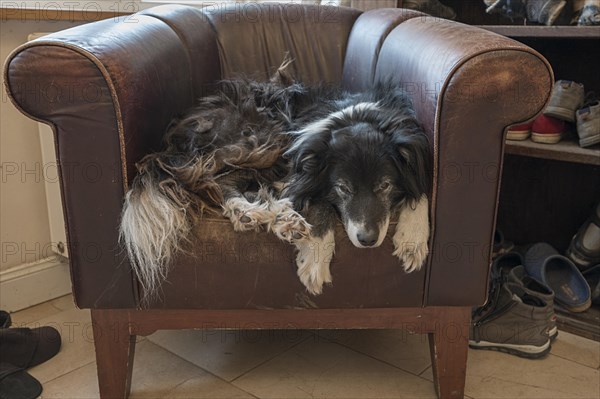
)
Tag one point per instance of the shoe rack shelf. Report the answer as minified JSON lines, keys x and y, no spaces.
{"x":556,"y":32}
{"x":548,"y":190}
{"x":566,"y":150}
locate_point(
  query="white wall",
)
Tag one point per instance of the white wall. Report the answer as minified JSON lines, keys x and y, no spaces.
{"x":29,"y":271}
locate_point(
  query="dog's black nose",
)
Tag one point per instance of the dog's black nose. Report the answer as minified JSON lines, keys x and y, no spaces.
{"x":367,"y":238}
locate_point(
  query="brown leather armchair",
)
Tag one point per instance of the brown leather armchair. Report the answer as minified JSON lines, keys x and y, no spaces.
{"x":110,"y":88}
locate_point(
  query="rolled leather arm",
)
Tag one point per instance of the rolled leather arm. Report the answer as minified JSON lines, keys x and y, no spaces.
{"x":467,"y":86}
{"x":109,"y":89}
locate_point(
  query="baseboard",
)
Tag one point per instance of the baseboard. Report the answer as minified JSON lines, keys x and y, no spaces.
{"x":33,"y":283}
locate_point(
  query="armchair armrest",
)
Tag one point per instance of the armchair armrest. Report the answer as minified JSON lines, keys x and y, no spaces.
{"x":467,"y":86}
{"x":109,"y":89}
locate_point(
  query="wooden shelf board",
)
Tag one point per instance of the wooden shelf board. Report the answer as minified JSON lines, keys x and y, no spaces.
{"x":566,"y":32}
{"x":566,"y":150}
{"x":585,"y":324}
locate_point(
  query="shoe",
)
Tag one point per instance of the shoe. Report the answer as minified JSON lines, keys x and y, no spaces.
{"x":509,"y":268}
{"x":546,"y":265}
{"x":28,"y":347}
{"x":16,"y":383}
{"x":588,"y":124}
{"x":504,"y":263}
{"x":519,"y":132}
{"x":547,"y":130}
{"x":584,"y":249}
{"x":513,"y":322}
{"x":544,"y":11}
{"x":432,"y":7}
{"x":501,"y":245}
{"x":513,"y":9}
{"x":533,"y":287}
{"x":567,"y":97}
{"x":586,"y":12}
{"x":592,"y":276}
{"x":5,"y":320}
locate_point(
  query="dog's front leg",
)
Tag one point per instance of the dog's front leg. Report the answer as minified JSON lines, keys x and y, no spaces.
{"x":316,"y":250}
{"x":412,"y":234}
{"x":243,"y":214}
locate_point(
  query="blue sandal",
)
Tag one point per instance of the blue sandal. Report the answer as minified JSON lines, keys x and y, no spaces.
{"x":546,"y":265}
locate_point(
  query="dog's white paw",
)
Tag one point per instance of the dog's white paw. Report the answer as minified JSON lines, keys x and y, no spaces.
{"x":411,"y":254}
{"x":412,"y":235}
{"x":313,"y":260}
{"x":288,"y":225}
{"x":246,"y":216}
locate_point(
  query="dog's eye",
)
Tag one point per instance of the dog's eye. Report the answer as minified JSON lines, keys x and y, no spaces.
{"x":343,"y":189}
{"x":384,"y":186}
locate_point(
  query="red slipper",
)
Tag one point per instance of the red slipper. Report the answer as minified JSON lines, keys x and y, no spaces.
{"x":519,"y":132}
{"x":547,"y":130}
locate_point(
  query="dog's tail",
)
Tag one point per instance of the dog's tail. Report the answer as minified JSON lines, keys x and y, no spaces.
{"x":159,"y":213}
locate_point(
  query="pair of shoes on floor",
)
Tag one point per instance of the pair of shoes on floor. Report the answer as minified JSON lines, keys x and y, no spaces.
{"x":545,"y":12}
{"x":569,"y":103}
{"x":20,"y":349}
{"x":584,"y":251}
{"x":518,"y":317}
{"x":586,"y":12}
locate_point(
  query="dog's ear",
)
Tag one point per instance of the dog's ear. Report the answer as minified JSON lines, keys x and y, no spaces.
{"x":412,"y":156}
{"x":309,"y":167}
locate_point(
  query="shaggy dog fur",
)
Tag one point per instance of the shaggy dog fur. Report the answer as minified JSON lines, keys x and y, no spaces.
{"x":290,"y":159}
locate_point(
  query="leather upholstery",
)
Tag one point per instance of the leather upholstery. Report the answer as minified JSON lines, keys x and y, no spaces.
{"x":121,"y":83}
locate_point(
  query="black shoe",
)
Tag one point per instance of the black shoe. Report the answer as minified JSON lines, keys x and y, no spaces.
{"x":28,"y":347}
{"x":5,"y":321}
{"x":16,"y":383}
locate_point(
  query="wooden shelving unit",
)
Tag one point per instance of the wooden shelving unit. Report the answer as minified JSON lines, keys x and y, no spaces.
{"x":566,"y":150}
{"x":549,"y":190}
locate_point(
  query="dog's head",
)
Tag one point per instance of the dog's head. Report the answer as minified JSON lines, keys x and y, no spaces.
{"x":365,"y":160}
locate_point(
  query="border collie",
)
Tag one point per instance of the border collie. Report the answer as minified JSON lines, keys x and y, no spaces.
{"x":289,"y":159}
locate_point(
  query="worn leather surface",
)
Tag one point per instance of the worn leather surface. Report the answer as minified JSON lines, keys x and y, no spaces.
{"x":228,"y":270}
{"x":144,"y":73}
{"x":467,"y":85}
{"x":367,"y":36}
{"x":253,"y":39}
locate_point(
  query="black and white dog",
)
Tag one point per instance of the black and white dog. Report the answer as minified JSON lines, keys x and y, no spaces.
{"x":292,"y":160}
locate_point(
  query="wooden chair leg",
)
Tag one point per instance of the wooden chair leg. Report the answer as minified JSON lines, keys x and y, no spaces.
{"x":448,"y":345}
{"x":115,"y":348}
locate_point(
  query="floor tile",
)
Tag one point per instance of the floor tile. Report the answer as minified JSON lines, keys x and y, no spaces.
{"x":81,"y":384}
{"x":33,"y":314}
{"x":66,"y":302}
{"x":328,"y":370}
{"x":498,"y":375}
{"x":228,"y":353}
{"x":157,"y":373}
{"x":409,"y":352}
{"x":580,"y":350}
{"x":77,"y":348}
{"x":207,"y":386}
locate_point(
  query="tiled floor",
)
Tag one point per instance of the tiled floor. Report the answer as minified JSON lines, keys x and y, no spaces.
{"x":302,"y":364}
